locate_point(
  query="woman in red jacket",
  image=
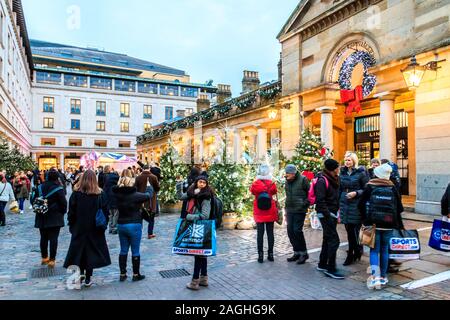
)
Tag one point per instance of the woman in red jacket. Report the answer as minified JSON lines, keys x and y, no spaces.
{"x":265,"y":211}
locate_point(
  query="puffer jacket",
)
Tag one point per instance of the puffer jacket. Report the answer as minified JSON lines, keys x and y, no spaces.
{"x":6,"y":192}
{"x":297,"y":195}
{"x":354,"y":182}
{"x":264,"y":184}
{"x":129,"y":203}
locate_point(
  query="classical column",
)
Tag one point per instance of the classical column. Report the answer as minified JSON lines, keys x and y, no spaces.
{"x":261,"y":144}
{"x":326,"y":126}
{"x":388,"y":139}
{"x":61,"y":161}
{"x":237,"y":146}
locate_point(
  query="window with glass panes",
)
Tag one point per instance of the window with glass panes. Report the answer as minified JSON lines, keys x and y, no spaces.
{"x":75,"y":124}
{"x":101,"y":108}
{"x":125,"y":85}
{"x":124,"y":127}
{"x":101,"y":83}
{"x":48,"y":77}
{"x":144,"y":87}
{"x":169,"y":113}
{"x":49,"y":104}
{"x":147,"y":127}
{"x":75,"y":106}
{"x":189,"y":92}
{"x":124,"y":110}
{"x":74,"y":80}
{"x":101,"y":125}
{"x":147,"y":112}
{"x":169,"y":90}
{"x":48,"y":123}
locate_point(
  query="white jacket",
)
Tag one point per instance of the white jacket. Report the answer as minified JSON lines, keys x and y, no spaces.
{"x":6,"y":193}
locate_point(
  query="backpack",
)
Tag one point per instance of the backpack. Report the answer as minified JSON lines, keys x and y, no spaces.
{"x":383,"y":207}
{"x":264,"y":201}
{"x":216,"y":211}
{"x":40,"y":204}
{"x":312,"y":193}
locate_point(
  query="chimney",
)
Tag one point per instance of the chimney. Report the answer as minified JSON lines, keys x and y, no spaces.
{"x":203,"y":102}
{"x":250,"y":82}
{"x":181,"y":113}
{"x":223,"y":93}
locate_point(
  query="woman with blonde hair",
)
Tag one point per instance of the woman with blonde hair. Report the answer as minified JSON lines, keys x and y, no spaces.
{"x":88,"y":248}
{"x":352,"y":181}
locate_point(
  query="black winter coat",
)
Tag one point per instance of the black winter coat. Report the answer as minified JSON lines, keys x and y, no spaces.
{"x":445,"y":202}
{"x":110,"y":180}
{"x":355,"y":182}
{"x":327,"y":199}
{"x":57,"y":207}
{"x":101,"y":179}
{"x":88,"y":248}
{"x":129,"y":203}
{"x":297,"y":195}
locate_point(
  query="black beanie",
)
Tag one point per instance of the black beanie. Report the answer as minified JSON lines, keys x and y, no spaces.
{"x":202,"y":177}
{"x":331,"y":164}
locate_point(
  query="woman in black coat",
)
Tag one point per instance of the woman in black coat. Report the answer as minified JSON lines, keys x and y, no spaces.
{"x":50,"y":223}
{"x":88,"y":248}
{"x":352,"y":182}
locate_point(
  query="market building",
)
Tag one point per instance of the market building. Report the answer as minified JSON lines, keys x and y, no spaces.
{"x":388,"y":64}
{"x":15,"y":77}
{"x":89,"y":99}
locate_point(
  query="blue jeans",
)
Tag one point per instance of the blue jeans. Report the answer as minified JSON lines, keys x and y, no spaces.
{"x":151,"y":225}
{"x":130,"y":235}
{"x":21,"y":203}
{"x":379,"y":256}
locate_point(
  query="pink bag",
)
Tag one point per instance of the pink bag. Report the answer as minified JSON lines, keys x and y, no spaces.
{"x":311,"y":193}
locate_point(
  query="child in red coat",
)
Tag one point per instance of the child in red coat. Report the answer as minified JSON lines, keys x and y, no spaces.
{"x":265,"y":211}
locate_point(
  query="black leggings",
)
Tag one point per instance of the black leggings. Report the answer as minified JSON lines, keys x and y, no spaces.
{"x":261,"y":227}
{"x":87,"y":273}
{"x":353,"y":235}
{"x":200,"y":267}
{"x":49,"y":235}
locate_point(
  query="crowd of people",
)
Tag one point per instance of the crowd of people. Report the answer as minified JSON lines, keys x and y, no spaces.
{"x":347,"y":194}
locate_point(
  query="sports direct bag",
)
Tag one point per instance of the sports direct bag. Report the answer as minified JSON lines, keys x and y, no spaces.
{"x":40,"y":204}
{"x":440,"y":235}
{"x":404,"y":245}
{"x":312,"y":192}
{"x":195,"y":238}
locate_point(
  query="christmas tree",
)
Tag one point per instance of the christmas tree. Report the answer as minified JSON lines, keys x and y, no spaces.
{"x":13,"y":160}
{"x":310,"y":154}
{"x":172,"y":168}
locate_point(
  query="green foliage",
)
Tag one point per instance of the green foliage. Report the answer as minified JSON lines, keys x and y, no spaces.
{"x":13,"y":160}
{"x":172,"y":168}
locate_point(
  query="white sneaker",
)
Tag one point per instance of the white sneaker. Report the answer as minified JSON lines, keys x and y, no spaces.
{"x":21,"y":211}
{"x":384,"y":281}
{"x":373,"y":283}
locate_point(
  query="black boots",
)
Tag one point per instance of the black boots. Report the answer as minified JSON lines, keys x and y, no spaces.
{"x":260,"y":257}
{"x":353,"y":256}
{"x":136,"y":264}
{"x":123,"y":267}
{"x":303,"y":258}
{"x":295,"y":257}
{"x":270,"y":256}
{"x":358,"y":254}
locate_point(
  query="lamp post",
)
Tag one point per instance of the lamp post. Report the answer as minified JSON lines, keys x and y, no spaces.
{"x":414,"y":72}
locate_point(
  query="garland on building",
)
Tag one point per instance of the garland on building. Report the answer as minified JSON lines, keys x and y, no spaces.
{"x":310,"y":154}
{"x":270,"y":93}
{"x":172,"y":168}
{"x":247,"y":102}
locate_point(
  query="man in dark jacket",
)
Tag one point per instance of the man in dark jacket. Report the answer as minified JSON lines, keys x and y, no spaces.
{"x":111,"y":179}
{"x":145,"y":179}
{"x":155,"y":170}
{"x":445,"y":203}
{"x":101,"y":177}
{"x":50,"y":223}
{"x":326,"y":190}
{"x":297,"y":204}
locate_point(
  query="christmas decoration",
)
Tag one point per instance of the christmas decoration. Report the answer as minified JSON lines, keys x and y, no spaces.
{"x":310,"y":154}
{"x":12,"y":160}
{"x":172,"y":168}
{"x":353,"y":96}
{"x":246,"y":102}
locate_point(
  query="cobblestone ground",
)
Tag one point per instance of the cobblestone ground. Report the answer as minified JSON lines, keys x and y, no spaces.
{"x":234,"y":272}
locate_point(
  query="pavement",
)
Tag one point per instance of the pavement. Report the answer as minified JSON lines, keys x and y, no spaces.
{"x":234,"y":273}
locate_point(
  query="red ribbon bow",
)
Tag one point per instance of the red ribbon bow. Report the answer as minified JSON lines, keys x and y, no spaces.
{"x":352,"y":98}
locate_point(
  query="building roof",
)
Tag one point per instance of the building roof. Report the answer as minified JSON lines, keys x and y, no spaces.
{"x":98,"y":57}
{"x":18,"y":9}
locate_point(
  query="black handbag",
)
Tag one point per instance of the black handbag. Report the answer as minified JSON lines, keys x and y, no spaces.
{"x":147,"y":215}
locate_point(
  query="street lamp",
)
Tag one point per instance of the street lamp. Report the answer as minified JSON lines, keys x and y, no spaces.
{"x":414,"y":72}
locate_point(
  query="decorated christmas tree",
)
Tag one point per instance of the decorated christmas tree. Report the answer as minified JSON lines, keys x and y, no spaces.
{"x":172,"y":168}
{"x":310,"y":154}
{"x":13,"y":160}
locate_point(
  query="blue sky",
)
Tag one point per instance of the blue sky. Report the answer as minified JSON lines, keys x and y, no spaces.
{"x":209,"y":39}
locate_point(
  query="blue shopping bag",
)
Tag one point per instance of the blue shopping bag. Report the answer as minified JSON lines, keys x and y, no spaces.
{"x":440,"y":236}
{"x":195,"y":238}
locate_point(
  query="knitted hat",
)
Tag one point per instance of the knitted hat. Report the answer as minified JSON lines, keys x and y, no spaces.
{"x":331,"y":164}
{"x":290,"y":168}
{"x":383,"y":172}
{"x":202,"y":177}
{"x":264,"y":170}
